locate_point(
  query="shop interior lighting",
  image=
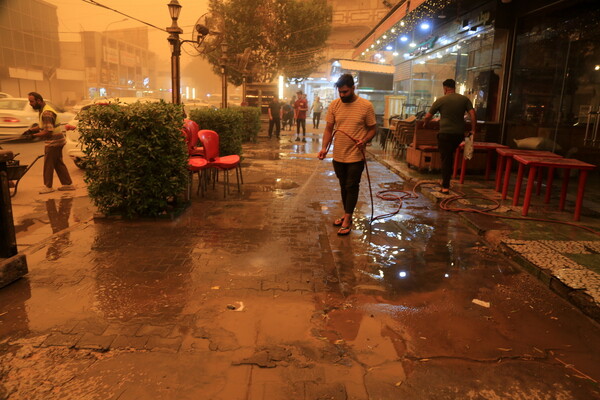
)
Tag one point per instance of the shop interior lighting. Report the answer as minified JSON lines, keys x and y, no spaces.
{"x":395,"y":54}
{"x":412,"y":44}
{"x":401,"y":23}
{"x":597,"y":68}
{"x":389,"y":48}
{"x":393,"y":30}
{"x":425,"y":26}
{"x":384,"y":37}
{"x":377,"y":55}
{"x":404,"y":38}
{"x":382,"y":60}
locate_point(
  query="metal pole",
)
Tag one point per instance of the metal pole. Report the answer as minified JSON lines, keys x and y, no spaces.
{"x":175,"y":69}
{"x":223,"y":86}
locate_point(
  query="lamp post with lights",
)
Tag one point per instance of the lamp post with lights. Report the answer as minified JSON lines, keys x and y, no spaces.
{"x":174,"y":31}
{"x":223,"y":61}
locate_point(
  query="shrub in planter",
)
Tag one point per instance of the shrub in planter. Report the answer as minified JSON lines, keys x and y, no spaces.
{"x":227,"y":122}
{"x":137,"y":157}
{"x":250,"y":122}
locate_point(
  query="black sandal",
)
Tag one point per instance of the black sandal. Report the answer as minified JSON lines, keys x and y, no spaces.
{"x":344,"y":230}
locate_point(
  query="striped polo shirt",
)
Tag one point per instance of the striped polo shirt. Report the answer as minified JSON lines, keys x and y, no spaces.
{"x":354,"y":119}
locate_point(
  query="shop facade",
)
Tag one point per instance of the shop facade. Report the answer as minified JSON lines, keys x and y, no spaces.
{"x":531,"y":68}
{"x":554,"y":81}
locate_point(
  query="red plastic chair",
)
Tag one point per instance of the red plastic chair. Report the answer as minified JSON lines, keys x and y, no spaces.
{"x":210,"y":140}
{"x":198,"y":165}
{"x":190,"y":131}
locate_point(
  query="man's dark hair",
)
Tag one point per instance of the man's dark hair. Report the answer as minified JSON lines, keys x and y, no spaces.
{"x":299,"y":92}
{"x":449,"y":83}
{"x":345,"y":80}
{"x":36,"y":96}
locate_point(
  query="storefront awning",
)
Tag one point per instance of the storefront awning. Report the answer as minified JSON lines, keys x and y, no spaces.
{"x":363,"y":66}
{"x":401,"y":10}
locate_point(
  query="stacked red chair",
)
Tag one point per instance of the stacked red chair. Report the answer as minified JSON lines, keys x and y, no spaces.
{"x":210,"y":141}
{"x":196,"y":162}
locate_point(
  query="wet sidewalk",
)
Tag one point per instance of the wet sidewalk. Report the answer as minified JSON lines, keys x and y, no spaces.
{"x":547,"y":242}
{"x":256,"y":297}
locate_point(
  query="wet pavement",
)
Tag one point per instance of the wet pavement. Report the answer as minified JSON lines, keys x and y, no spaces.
{"x":256,"y":297}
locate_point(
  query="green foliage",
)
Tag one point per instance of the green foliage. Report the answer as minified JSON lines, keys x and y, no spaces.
{"x":137,"y":158}
{"x":282,"y":36}
{"x":227,"y":122}
{"x":250,"y":122}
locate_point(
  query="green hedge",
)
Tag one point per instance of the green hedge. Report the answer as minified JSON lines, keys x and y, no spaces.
{"x":251,"y":122}
{"x":136,"y":157}
{"x":234,"y":125}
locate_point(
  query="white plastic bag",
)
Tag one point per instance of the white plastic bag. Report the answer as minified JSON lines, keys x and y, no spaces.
{"x":468,"y":150}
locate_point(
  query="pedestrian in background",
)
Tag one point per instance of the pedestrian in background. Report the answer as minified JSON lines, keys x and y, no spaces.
{"x":316,"y":108}
{"x":288,"y":116}
{"x":275,"y":115}
{"x":452,"y":107}
{"x":353,"y":119}
{"x":300,"y":110}
{"x":49,"y":129}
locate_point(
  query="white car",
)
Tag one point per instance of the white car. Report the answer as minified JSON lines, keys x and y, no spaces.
{"x":17,"y":116}
{"x":73,"y":146}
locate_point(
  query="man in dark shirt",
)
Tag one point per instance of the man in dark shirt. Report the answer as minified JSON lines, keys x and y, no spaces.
{"x":452,"y":107}
{"x":275,"y":115}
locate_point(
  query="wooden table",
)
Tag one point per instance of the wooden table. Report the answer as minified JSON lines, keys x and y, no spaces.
{"x":488,"y":146}
{"x":504,"y":163}
{"x":551,"y":162}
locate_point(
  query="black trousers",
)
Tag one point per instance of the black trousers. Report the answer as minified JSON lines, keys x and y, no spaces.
{"x":316,"y":119}
{"x":349,"y":176}
{"x":301,"y":121}
{"x":275,"y":122}
{"x":447,"y":145}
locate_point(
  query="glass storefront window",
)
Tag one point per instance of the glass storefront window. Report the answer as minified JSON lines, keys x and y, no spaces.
{"x":556,"y":79}
{"x":472,"y":62}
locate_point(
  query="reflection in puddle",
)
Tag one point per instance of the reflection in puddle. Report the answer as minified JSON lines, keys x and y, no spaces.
{"x":58,"y":214}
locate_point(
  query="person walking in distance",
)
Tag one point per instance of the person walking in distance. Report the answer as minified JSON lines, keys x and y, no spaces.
{"x":49,"y":129}
{"x":353,"y":120}
{"x":316,"y":108}
{"x":452,"y":108}
{"x":275,"y":114}
{"x":300,"y":109}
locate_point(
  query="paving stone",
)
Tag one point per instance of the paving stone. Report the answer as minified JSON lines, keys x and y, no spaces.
{"x":129,"y":342}
{"x":156,"y":330}
{"x":156,"y":343}
{"x":61,"y":339}
{"x":95,"y":342}
{"x":122,"y":329}
{"x":91,"y":325}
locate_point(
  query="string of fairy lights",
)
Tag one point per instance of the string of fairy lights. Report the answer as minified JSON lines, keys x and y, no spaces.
{"x":404,"y":30}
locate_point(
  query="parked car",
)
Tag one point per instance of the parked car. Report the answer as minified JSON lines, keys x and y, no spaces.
{"x":17,"y":116}
{"x":73,"y":146}
{"x":194,"y":104}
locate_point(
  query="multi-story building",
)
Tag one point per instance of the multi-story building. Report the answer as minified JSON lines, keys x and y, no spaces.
{"x":118,"y":63}
{"x":29,"y":47}
{"x":351,"y":20}
{"x":112,"y":63}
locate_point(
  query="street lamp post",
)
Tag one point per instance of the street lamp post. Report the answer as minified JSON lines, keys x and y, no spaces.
{"x":223,"y":75}
{"x":174,"y":31}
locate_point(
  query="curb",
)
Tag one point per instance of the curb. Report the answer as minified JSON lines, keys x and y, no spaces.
{"x":576,"y":297}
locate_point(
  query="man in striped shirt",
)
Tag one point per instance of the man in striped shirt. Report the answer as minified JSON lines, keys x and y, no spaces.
{"x":352,"y":118}
{"x":49,"y":129}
